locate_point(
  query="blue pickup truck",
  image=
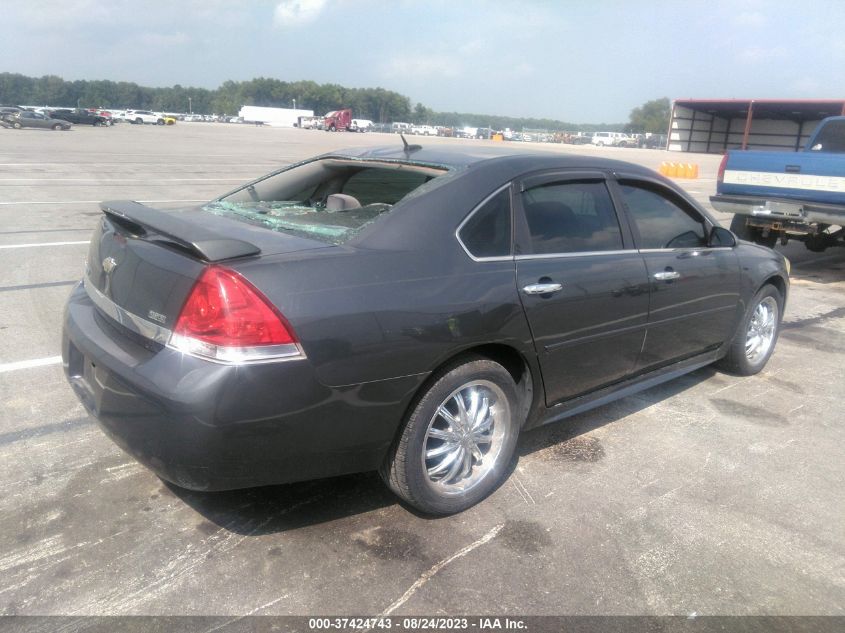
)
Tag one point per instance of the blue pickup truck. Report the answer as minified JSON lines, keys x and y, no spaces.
{"x":788,"y":195}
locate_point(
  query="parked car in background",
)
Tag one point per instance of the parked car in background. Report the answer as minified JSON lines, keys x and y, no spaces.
{"x":26,"y":118}
{"x":6,"y":112}
{"x":79,"y":117}
{"x":423,"y":130}
{"x":410,"y":310}
{"x":623,"y":140}
{"x":611,"y":139}
{"x":139,"y":117}
{"x":655,"y":141}
{"x":360,"y":125}
{"x":103,"y":113}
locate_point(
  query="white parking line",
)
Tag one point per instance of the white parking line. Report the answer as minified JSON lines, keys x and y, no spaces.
{"x":28,"y":364}
{"x":2,"y":246}
{"x":89,"y":201}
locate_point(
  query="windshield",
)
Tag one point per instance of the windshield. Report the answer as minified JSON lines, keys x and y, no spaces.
{"x":330,"y":200}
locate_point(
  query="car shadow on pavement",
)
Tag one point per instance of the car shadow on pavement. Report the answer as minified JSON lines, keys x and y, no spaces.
{"x":827,"y":267}
{"x":567,"y":436}
{"x":274,"y":509}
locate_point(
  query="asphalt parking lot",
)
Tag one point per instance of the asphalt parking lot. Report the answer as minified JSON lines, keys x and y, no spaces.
{"x":712,"y":494}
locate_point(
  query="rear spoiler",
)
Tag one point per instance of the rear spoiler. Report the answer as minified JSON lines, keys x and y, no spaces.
{"x":202,"y":242}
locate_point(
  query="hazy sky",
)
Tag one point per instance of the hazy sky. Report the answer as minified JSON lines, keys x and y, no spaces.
{"x":573,"y":60}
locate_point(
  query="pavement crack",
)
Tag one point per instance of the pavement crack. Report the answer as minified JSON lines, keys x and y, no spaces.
{"x":428,"y":575}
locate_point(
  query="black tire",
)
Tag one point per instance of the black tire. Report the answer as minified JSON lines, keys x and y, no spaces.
{"x":738,"y":359}
{"x":16,"y":125}
{"x":57,"y":126}
{"x":160,"y":122}
{"x":740,"y":228}
{"x":139,"y":121}
{"x":407,"y":472}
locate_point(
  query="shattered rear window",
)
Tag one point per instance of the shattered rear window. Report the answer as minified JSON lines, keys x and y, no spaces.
{"x":304,"y":200}
{"x":334,"y":227}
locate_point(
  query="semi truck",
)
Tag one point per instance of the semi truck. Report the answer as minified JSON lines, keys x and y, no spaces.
{"x":338,"y":120}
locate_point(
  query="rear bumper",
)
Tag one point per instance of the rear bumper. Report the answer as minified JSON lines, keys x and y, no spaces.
{"x":209,"y":426}
{"x":792,"y":210}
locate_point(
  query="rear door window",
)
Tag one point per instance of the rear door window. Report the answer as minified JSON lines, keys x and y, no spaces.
{"x":571,"y":217}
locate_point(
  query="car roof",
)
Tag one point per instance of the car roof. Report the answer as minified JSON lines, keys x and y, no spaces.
{"x":457,"y":157}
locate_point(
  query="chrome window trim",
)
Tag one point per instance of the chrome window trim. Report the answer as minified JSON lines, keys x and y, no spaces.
{"x":186,"y":345}
{"x":492,"y":258}
{"x":686,"y":249}
{"x":576,"y":254}
{"x":139,"y":325}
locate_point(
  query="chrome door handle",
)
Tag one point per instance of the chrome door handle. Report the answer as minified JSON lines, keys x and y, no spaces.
{"x":541,"y":289}
{"x":666,"y":275}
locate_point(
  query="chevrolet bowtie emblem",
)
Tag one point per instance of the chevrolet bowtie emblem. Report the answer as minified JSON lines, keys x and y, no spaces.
{"x":109,"y":264}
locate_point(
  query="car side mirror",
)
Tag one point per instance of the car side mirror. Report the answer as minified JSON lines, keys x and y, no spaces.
{"x":721,"y":237}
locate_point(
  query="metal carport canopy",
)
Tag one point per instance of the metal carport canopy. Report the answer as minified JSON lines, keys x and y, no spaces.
{"x":797,"y":110}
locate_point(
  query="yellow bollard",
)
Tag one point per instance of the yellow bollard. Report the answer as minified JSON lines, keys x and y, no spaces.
{"x":672,"y":170}
{"x":693,"y":170}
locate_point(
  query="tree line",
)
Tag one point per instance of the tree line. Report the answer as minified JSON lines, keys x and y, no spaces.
{"x":377,"y":104}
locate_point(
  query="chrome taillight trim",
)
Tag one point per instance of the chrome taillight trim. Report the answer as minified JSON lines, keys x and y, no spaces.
{"x":139,"y":325}
{"x":187,"y":345}
{"x":235,"y":355}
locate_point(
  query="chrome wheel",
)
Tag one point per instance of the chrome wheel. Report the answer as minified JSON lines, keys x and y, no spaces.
{"x":465,"y":437}
{"x":761,"y":329}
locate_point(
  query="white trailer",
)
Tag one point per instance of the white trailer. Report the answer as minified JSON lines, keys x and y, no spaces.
{"x":277,"y":117}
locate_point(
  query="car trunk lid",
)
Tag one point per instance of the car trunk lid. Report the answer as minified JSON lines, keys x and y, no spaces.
{"x":143,"y":262}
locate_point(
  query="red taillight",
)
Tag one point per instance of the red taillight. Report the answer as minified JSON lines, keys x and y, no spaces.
{"x":227,"y":318}
{"x":720,"y":176}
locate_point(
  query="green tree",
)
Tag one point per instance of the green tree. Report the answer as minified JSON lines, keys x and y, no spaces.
{"x":652,"y":116}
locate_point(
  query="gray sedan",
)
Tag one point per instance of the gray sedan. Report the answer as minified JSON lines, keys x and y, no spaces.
{"x":403,"y":309}
{"x":34,"y":119}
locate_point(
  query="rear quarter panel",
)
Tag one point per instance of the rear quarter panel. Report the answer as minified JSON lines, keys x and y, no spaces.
{"x":364,"y":316}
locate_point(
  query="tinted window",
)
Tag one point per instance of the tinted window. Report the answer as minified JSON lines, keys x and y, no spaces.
{"x":661,"y":222}
{"x":488,"y":232}
{"x":571,"y":217}
{"x":386,"y":186}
